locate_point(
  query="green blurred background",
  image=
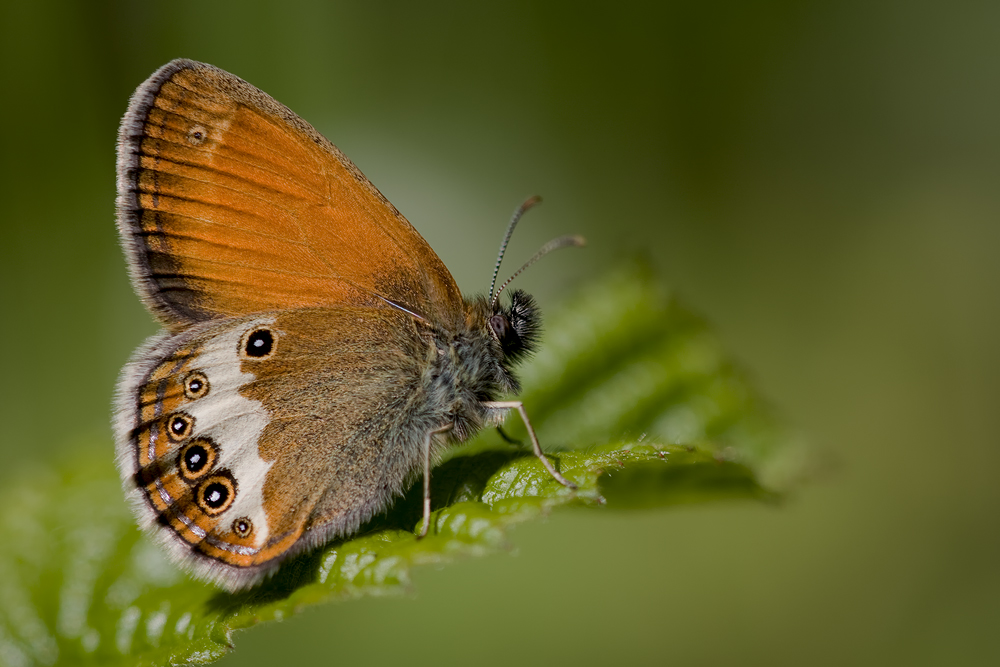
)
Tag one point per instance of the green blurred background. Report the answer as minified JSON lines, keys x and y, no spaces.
{"x":822,"y":180}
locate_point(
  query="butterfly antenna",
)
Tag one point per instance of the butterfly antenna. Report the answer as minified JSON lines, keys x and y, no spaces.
{"x":554,"y":244}
{"x":521,"y":210}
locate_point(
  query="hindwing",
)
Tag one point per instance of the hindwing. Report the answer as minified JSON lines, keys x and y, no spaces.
{"x":246,"y":440}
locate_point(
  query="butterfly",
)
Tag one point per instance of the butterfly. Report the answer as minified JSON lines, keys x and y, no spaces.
{"x":316,"y":355}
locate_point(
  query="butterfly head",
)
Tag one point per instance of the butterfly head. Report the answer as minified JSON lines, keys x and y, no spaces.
{"x":516,"y":326}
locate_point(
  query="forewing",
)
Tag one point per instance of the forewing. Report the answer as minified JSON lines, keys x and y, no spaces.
{"x":230,"y":204}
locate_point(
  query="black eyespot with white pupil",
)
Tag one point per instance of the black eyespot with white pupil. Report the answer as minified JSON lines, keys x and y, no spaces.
{"x":195,"y":385}
{"x":243,"y":527}
{"x":179,"y":426}
{"x":197,"y":458}
{"x":258,"y":344}
{"x":216,"y":493}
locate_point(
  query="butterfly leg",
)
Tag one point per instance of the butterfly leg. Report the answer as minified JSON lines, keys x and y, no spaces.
{"x":519,"y":406}
{"x":507,"y":438}
{"x":426,"y":525}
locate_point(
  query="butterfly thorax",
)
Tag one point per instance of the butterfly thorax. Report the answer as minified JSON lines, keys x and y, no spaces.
{"x":475,"y":365}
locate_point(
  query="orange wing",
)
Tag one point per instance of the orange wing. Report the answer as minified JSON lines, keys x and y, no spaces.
{"x":230,"y":204}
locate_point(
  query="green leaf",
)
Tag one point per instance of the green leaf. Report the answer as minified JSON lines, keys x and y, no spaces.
{"x":632,"y":388}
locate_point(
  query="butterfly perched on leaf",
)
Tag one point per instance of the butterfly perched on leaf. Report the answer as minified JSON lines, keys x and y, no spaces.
{"x":316,"y":354}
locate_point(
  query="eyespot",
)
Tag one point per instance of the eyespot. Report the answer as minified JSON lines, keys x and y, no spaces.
{"x":258,"y":344}
{"x":179,"y":426}
{"x":216,"y":494}
{"x":197,"y":458}
{"x":243,"y":527}
{"x":195,"y":385}
{"x":197,"y":135}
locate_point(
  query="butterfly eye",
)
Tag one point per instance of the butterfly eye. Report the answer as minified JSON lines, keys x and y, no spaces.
{"x":500,"y":326}
{"x":506,"y":333}
{"x":179,"y":426}
{"x":216,"y":494}
{"x":243,"y":527}
{"x":258,"y":344}
{"x":197,"y":458}
{"x":195,"y":385}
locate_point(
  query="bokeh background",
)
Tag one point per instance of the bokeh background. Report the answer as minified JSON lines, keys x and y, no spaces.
{"x":821,"y":179}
